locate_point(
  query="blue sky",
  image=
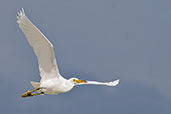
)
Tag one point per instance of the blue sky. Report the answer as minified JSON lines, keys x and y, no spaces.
{"x":94,"y":40}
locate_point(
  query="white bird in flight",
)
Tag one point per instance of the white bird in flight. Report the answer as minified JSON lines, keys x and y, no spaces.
{"x":51,"y":80}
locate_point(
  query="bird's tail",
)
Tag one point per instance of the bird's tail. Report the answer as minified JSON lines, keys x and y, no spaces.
{"x":35,"y":84}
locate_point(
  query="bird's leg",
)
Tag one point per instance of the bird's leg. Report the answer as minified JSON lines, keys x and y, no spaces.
{"x":34,"y":90}
{"x":40,"y":93}
{"x":30,"y":93}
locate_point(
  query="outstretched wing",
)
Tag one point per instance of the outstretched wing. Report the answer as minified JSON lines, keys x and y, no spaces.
{"x":112,"y":83}
{"x":41,"y":46}
{"x":82,"y":82}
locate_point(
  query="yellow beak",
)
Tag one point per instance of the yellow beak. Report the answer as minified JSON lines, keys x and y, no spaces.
{"x":80,"y":81}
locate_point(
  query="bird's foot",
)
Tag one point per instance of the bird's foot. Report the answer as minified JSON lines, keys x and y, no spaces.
{"x":27,"y":94}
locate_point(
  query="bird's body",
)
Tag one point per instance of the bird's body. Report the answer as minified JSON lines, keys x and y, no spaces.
{"x":51,"y":80}
{"x":56,"y":85}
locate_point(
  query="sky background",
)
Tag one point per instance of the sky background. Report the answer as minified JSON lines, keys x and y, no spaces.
{"x":99,"y":40}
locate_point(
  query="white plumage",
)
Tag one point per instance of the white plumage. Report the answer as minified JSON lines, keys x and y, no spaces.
{"x":51,"y":81}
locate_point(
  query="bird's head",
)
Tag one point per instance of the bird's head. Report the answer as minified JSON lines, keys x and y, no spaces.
{"x":77,"y":81}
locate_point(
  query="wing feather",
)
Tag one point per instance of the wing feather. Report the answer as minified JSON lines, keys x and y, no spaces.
{"x":112,"y":83}
{"x":42,"y":47}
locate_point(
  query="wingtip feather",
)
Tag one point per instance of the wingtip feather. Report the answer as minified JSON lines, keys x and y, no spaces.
{"x":113,"y":83}
{"x":21,"y":13}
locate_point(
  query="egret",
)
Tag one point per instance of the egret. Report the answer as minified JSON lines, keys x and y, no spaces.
{"x":51,"y":82}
